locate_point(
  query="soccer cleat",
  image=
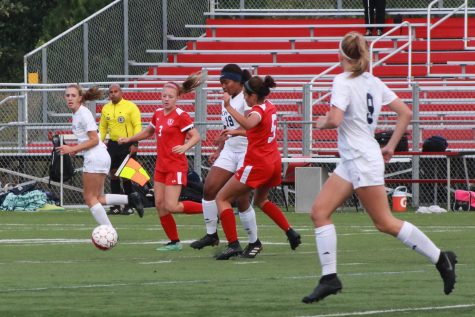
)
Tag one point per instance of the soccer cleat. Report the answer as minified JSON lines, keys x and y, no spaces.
{"x":170,"y":246}
{"x":207,"y":240}
{"x":446,"y":268}
{"x":252,"y":250}
{"x":326,"y":286}
{"x":127,"y":211}
{"x":136,"y":202}
{"x":114,"y":210}
{"x":294,"y":238}
{"x":233,"y":249}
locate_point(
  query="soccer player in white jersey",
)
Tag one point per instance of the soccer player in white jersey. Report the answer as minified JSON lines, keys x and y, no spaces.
{"x":226,"y":160}
{"x":96,"y":159}
{"x":357,"y":98}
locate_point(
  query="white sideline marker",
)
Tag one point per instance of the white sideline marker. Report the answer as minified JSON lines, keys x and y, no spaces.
{"x":395,"y":310}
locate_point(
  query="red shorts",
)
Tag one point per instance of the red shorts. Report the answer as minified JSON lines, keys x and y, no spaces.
{"x":257,"y":176}
{"x":171,"y":178}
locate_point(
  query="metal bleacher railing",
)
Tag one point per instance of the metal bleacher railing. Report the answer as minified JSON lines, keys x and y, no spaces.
{"x":299,"y":8}
{"x":431,"y":26}
{"x":105,"y":50}
{"x":440,"y":108}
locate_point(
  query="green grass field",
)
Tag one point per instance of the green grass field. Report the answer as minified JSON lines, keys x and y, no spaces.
{"x":49,"y":267}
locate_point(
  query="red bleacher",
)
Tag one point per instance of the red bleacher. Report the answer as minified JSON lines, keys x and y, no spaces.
{"x":446,"y":45}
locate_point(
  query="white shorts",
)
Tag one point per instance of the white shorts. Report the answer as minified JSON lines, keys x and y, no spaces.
{"x":362,"y":172}
{"x":230,"y":161}
{"x":98,"y":162}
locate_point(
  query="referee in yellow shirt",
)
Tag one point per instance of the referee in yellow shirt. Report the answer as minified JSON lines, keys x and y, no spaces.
{"x":120,"y":118}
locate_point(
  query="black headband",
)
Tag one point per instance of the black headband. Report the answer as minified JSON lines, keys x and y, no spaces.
{"x":248,"y":88}
{"x":230,"y":75}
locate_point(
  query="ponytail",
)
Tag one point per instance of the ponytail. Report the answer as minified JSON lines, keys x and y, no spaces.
{"x":92,"y":93}
{"x":260,"y":87}
{"x":354,"y":48}
{"x":190,"y":84}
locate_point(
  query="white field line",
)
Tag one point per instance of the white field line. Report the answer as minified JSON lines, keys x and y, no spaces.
{"x":63,"y":241}
{"x":264,"y":226}
{"x":249,"y":262}
{"x":39,"y":241}
{"x":306,"y":231}
{"x":175,"y":282}
{"x":156,"y":262}
{"x":394,"y":310}
{"x":305,"y":277}
{"x":43,"y":241}
{"x":40,"y":289}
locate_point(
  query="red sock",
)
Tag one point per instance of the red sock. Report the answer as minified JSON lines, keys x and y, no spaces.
{"x":228,"y":222}
{"x":169,"y":226}
{"x":274,"y":213}
{"x":191,"y":207}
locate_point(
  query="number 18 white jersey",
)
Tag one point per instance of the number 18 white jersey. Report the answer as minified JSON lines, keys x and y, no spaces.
{"x":361,"y":98}
{"x":237,"y":143}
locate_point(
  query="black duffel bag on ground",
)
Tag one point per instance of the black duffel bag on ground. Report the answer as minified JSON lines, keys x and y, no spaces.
{"x":383,"y":139}
{"x":435,"y":143}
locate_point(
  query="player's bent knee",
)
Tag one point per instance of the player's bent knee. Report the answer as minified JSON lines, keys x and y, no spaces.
{"x":173,"y":207}
{"x":209,"y":195}
{"x":259,"y":203}
{"x":320,"y":216}
{"x":159,"y":204}
{"x":220,"y":197}
{"x":387,"y":227}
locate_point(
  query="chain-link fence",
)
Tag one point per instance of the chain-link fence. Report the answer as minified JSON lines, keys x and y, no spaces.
{"x":106,"y":43}
{"x":438,"y":110}
{"x":324,"y":4}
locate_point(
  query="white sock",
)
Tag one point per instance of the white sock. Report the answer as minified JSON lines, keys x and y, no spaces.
{"x":326,"y":248}
{"x":248,"y":221}
{"x":415,"y":239}
{"x":210,"y":213}
{"x":116,"y":199}
{"x":99,"y":213}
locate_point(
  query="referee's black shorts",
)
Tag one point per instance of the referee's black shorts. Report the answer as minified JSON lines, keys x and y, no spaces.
{"x":117,"y":152}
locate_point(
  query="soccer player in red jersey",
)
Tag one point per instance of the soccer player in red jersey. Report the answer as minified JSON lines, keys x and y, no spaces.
{"x":262,"y":164}
{"x":175,"y":134}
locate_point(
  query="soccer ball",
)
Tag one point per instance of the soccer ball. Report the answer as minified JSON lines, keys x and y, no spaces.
{"x":104,"y":237}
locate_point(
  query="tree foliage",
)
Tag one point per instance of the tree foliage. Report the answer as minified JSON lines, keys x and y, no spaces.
{"x":26,"y":24}
{"x":20,"y":28}
{"x":67,"y":13}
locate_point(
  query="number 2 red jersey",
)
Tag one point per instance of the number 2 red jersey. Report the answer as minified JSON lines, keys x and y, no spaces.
{"x":262,"y":144}
{"x":170,"y":131}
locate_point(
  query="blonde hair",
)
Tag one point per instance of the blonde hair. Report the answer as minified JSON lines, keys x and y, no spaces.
{"x":92,"y":93}
{"x":190,"y":84}
{"x":354,"y":48}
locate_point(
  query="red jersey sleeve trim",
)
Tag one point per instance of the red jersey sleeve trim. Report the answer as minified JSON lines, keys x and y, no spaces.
{"x":188,"y":127}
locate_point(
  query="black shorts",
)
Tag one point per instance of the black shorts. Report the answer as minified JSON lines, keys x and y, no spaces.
{"x":117,"y":152}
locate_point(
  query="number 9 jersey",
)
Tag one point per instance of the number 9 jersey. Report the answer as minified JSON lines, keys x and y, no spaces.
{"x":361,"y":99}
